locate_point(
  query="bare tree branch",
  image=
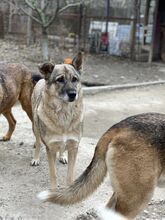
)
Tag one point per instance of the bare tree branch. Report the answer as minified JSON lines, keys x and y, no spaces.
{"x":41,"y":12}
{"x":51,"y":20}
{"x":60,"y":10}
{"x":45,"y":7}
{"x":68,"y":6}
{"x":54,"y":15}
{"x":35,"y":8}
{"x":34,"y":18}
{"x":73,"y":5}
{"x":24,"y":11}
{"x":29,"y":4}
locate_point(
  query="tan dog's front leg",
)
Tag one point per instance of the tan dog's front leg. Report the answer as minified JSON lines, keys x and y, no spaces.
{"x":51,"y":161}
{"x":72,"y":147}
{"x":35,"y":161}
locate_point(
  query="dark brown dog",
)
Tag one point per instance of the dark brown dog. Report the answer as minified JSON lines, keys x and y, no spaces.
{"x":15,"y":84}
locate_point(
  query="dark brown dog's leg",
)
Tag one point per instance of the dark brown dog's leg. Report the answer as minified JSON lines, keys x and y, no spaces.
{"x":12,"y":123}
{"x":27,"y":108}
{"x":25,"y":100}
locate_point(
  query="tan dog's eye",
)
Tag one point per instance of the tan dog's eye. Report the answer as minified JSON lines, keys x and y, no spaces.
{"x":74,"y":79}
{"x":60,"y":79}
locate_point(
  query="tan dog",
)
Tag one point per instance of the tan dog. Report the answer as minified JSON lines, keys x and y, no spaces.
{"x":15,"y":84}
{"x":58,"y":113}
{"x":133,"y":153}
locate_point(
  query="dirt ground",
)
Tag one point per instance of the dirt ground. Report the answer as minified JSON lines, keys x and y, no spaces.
{"x":19,"y":182}
{"x":98,"y":69}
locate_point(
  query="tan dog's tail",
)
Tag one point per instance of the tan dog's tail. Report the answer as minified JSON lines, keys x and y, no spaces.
{"x":87,"y":183}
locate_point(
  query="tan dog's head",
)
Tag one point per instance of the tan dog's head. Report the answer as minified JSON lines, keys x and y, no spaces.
{"x":63,"y":80}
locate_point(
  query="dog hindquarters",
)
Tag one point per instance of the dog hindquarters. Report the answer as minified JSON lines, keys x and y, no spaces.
{"x":12,"y":123}
{"x":72,"y":147}
{"x":130,"y":206}
{"x":133,"y":176}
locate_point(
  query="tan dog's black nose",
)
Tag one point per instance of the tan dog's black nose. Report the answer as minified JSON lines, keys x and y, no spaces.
{"x":71,"y":95}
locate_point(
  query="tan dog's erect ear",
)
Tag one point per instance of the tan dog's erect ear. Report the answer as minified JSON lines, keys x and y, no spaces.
{"x":77,"y":61}
{"x":46,"y":69}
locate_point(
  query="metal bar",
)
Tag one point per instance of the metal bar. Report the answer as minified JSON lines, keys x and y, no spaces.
{"x":103,"y":18}
{"x":133,"y":32}
{"x":80,"y":25}
{"x":153,"y":31}
{"x":146,"y":14}
{"x":107,"y":14}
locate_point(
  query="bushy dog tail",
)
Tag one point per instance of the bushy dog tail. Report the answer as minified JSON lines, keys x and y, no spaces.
{"x":87,"y":183}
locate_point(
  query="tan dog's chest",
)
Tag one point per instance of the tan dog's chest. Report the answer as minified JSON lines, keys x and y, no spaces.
{"x":56,"y":127}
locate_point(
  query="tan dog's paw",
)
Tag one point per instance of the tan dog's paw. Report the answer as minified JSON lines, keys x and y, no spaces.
{"x":35,"y":162}
{"x":63,"y":159}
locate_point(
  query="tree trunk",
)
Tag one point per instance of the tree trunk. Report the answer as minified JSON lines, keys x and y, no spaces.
{"x":45,"y":52}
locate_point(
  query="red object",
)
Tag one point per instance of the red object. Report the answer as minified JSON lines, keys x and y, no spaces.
{"x":104,"y":38}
